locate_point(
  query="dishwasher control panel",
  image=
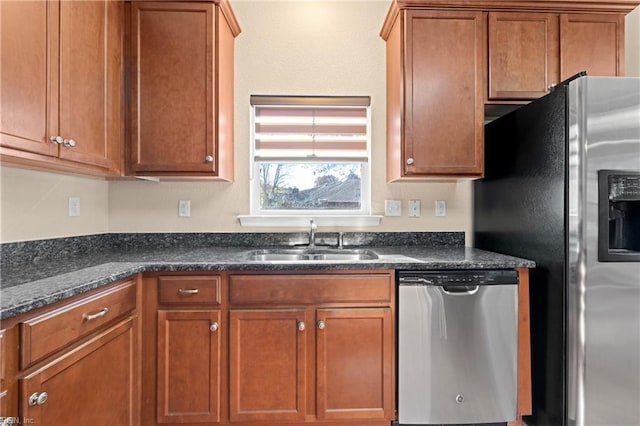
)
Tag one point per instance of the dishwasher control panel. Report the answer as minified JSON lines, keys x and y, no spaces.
{"x":459,"y":277}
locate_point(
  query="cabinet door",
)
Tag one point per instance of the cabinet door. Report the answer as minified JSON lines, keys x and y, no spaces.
{"x":443,"y":107}
{"x":172,"y":87}
{"x":523,"y":54}
{"x":188,"y":366}
{"x":94,"y":384}
{"x":28,"y":32}
{"x":90,"y":79}
{"x":355,"y":367}
{"x":267,"y":364}
{"x":592,"y":43}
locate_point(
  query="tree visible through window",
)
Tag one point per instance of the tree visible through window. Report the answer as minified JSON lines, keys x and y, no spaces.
{"x":310,"y":155}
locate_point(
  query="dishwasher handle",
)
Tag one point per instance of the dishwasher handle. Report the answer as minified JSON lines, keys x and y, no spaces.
{"x":460,"y":290}
{"x":416,"y":280}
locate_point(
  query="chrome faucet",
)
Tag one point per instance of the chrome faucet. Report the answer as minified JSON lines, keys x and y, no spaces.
{"x":312,"y":233}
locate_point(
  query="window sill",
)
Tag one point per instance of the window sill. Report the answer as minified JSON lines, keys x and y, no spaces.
{"x":303,"y":221}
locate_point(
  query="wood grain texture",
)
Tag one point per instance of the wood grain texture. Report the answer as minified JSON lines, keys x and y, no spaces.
{"x":524,"y":345}
{"x":268,"y":363}
{"x":188,"y":388}
{"x":373,"y":289}
{"x":523,"y":54}
{"x":190,"y":290}
{"x":354,"y":364}
{"x":81,"y":378}
{"x":44,"y":334}
{"x":443,"y":106}
{"x":182,"y":90}
{"x":592,"y":43}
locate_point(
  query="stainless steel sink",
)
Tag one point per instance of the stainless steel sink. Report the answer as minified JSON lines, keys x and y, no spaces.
{"x":311,"y":254}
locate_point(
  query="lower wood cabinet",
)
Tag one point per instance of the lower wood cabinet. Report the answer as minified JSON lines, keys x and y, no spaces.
{"x":188,"y":388}
{"x":93,"y":384}
{"x":354,"y":363}
{"x":311,"y":347}
{"x":268,"y":365}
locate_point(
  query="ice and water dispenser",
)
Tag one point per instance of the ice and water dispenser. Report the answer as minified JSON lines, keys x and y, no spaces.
{"x":618,"y":216}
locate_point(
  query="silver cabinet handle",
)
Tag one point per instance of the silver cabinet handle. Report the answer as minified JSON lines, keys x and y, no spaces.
{"x":409,"y":161}
{"x":56,"y":139}
{"x":214,"y":326}
{"x":69,"y":143}
{"x":102,"y":312}
{"x":321,"y":325}
{"x":38,"y":399}
{"x":188,"y":291}
{"x":550,"y":88}
{"x":209,"y":158}
{"x":301,"y":326}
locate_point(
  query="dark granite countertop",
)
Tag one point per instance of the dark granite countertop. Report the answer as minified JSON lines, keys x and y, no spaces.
{"x":28,"y":284}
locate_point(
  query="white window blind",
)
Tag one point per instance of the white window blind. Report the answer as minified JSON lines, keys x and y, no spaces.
{"x":308,"y":128}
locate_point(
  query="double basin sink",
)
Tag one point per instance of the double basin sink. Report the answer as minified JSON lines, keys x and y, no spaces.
{"x":308,"y":254}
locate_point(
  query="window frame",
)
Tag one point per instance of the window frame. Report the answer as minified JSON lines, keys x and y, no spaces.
{"x":309,"y":101}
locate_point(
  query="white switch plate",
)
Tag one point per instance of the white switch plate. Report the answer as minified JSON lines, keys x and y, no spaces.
{"x":441,"y":208}
{"x":74,"y":206}
{"x":392,"y":208}
{"x":184,"y":208}
{"x":414,"y":208}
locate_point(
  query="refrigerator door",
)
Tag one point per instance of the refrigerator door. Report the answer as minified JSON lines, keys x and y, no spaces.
{"x":603,"y":346}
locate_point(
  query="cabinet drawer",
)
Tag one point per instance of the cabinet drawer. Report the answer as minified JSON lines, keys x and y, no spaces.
{"x":373,"y":289}
{"x":189,"y":290}
{"x":49,"y":332}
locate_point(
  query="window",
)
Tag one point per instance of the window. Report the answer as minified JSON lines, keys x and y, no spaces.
{"x":310,"y":155}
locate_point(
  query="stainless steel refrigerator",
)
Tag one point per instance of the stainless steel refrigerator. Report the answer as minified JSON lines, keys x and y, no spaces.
{"x":562,"y":187}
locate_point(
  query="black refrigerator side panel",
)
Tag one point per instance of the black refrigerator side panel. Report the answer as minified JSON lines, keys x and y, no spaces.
{"x":520,"y":209}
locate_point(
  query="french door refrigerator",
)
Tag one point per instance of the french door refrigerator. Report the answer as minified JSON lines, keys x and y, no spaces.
{"x":562,"y":187}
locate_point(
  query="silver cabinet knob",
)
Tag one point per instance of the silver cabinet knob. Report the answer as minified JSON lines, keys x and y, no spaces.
{"x":38,"y":399}
{"x":214,"y":326}
{"x":56,"y":139}
{"x":409,"y":161}
{"x":209,"y":158}
{"x":69,"y":143}
{"x":550,"y":88}
{"x":301,"y":326}
{"x":321,"y":325}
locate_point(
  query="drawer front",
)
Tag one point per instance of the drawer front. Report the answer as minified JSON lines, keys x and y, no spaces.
{"x":189,"y":290}
{"x":49,"y":332}
{"x":370,"y":289}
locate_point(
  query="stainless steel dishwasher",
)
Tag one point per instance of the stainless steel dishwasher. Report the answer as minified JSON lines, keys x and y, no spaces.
{"x":457,"y":346}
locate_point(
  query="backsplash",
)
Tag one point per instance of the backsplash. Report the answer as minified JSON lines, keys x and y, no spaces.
{"x":41,"y":251}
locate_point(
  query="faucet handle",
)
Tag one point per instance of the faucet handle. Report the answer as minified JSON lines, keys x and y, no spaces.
{"x":312,"y":224}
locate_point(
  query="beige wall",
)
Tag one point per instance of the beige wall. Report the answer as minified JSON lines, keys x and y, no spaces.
{"x":292,"y":47}
{"x":35,"y":205}
{"x":287,"y":47}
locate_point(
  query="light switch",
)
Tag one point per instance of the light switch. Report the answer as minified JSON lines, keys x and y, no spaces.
{"x":392,"y":208}
{"x":184,"y":208}
{"x":414,"y":208}
{"x":74,"y":206}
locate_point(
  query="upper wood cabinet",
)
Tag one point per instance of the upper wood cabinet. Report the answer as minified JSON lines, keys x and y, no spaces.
{"x":434,"y":94}
{"x":593,"y":43}
{"x":447,"y":59}
{"x":523,"y":54}
{"x":62,"y":82}
{"x":181,"y":89}
{"x":530,"y":52}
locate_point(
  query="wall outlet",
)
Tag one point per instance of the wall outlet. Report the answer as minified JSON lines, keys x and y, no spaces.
{"x":184,"y":208}
{"x":441,"y":208}
{"x":392,"y":208}
{"x":414,"y":208}
{"x":74,"y":206}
